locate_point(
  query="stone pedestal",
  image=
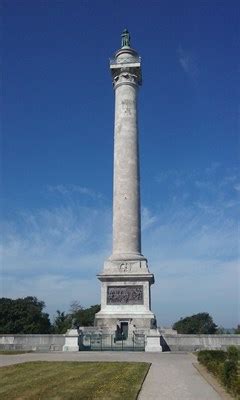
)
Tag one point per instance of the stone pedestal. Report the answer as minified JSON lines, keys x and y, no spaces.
{"x":125,"y":295}
{"x":71,"y":340}
{"x":153,"y":341}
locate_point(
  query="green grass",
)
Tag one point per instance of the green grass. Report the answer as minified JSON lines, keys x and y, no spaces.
{"x":44,"y":380}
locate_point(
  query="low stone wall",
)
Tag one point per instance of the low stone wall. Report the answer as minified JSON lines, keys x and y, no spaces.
{"x":168,"y":342}
{"x":32,"y":342}
{"x":198,"y":342}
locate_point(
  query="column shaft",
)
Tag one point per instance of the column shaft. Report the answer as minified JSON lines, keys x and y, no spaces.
{"x":126,"y":196}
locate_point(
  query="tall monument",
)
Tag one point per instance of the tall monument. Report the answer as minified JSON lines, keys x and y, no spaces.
{"x":126,"y":280}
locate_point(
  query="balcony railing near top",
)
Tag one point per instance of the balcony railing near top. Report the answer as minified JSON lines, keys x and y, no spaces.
{"x":127,"y":60}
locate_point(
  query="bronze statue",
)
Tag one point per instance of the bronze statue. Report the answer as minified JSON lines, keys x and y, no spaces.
{"x":125,"y":38}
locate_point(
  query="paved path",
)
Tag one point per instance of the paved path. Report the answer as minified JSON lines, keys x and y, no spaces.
{"x":171,"y":376}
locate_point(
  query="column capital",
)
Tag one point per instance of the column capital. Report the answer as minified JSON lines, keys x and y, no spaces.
{"x":126,"y":76}
{"x":126,"y":64}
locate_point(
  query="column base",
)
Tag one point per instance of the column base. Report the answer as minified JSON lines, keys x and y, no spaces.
{"x":126,"y":256}
{"x":136,"y":321}
{"x":126,"y":268}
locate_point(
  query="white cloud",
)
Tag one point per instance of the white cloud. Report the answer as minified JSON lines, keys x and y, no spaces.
{"x":70,"y":189}
{"x":194,"y":248}
{"x":195,"y":261}
{"x":59,"y":239}
{"x":197,"y":287}
{"x":237,"y":187}
{"x":191,"y":244}
{"x":187,"y":62}
{"x":58,"y":291}
{"x":148,"y":219}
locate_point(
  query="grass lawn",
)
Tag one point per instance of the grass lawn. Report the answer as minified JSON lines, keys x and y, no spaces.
{"x":44,"y":380}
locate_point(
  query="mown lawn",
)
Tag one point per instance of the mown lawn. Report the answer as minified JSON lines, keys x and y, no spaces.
{"x":44,"y":380}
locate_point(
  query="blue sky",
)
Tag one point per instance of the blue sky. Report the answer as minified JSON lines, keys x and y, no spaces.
{"x":57,"y":150}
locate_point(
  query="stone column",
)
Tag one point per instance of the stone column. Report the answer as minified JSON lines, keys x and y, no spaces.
{"x":126,"y":74}
{"x":126,"y":279}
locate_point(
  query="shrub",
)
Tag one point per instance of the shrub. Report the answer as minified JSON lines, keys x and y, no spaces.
{"x":205,"y":356}
{"x":236,"y":387}
{"x":233,"y":353}
{"x":225,"y":366}
{"x":229,"y":373}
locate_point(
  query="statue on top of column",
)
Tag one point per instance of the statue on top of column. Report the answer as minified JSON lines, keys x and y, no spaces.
{"x":125,"y":38}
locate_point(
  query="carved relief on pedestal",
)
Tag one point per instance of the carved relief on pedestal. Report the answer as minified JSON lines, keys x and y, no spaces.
{"x":125,"y":295}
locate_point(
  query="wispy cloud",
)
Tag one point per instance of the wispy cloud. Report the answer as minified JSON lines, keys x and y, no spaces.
{"x":211,"y":170}
{"x":189,"y":237}
{"x":58,"y":290}
{"x":194,"y":248}
{"x":71,"y":189}
{"x":148,"y":218}
{"x":59,"y":239}
{"x":237,"y":187}
{"x":187,"y":62}
{"x":194,"y":256}
{"x":209,"y":188}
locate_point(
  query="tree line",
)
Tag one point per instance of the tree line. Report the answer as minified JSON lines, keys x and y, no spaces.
{"x":26,"y":316}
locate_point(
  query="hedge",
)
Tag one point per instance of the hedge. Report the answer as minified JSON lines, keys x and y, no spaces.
{"x":225,"y":365}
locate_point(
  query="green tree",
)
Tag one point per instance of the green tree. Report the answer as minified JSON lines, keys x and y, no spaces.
{"x":23,"y":315}
{"x":222,"y":331}
{"x":75,"y":306}
{"x":237,"y":330}
{"x":81,"y":317}
{"x":201,"y":323}
{"x":62,"y":322}
{"x":85,"y":316}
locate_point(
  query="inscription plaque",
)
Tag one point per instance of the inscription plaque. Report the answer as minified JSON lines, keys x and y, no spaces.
{"x":125,"y":295}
